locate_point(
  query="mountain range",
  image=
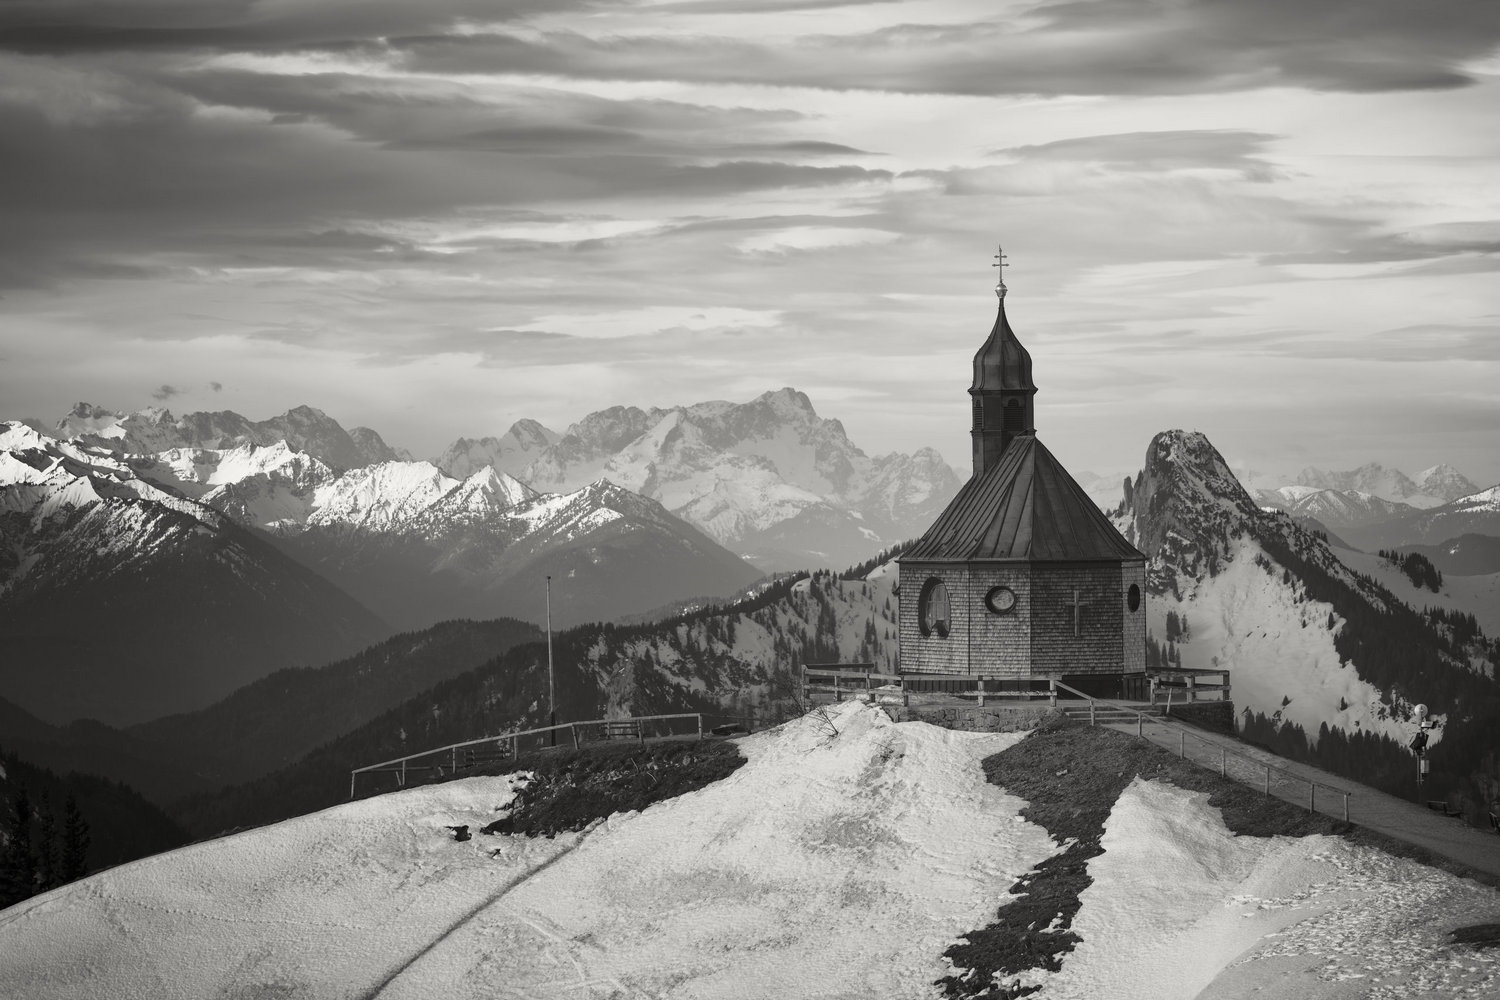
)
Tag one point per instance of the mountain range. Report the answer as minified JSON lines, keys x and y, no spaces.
{"x":152,"y":584}
{"x":1372,"y":522}
{"x":121,"y":602}
{"x":1429,"y":488}
{"x":769,"y":479}
{"x":154,"y":429}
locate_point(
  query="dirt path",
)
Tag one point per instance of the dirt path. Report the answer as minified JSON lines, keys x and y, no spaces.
{"x":1400,"y":819}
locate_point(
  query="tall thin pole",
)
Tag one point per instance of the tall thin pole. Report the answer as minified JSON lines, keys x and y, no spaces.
{"x":551,"y":685}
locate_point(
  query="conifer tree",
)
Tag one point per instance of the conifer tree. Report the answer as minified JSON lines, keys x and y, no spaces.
{"x":17,"y":863}
{"x":48,"y":867}
{"x":73,"y":858}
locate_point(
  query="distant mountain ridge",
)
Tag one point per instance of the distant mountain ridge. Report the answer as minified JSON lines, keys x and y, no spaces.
{"x":154,"y":430}
{"x":769,"y":478}
{"x":1430,"y":488}
{"x":120,"y":601}
{"x":277,"y":719}
{"x":414,"y":544}
{"x":468,"y":552}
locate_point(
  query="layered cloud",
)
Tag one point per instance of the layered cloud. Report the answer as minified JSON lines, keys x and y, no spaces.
{"x":496,"y":207}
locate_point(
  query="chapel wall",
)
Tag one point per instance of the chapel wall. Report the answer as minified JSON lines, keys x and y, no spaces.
{"x":935,"y":653}
{"x":1097,"y":648}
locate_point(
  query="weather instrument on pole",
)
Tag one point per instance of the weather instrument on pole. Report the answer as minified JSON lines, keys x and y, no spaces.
{"x":551,"y":685}
{"x":1418,"y":744}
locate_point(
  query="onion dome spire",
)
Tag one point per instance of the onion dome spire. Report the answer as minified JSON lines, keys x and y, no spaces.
{"x":1002,"y":391}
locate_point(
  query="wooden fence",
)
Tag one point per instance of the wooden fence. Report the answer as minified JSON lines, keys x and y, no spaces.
{"x":1231,"y":764}
{"x":455,"y":757}
{"x":1177,"y":687}
{"x":835,"y":682}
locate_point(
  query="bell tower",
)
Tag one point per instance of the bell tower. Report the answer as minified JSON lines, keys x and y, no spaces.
{"x":1003,"y":390}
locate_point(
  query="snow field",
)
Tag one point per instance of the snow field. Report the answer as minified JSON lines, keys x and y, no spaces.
{"x":318,"y":906}
{"x":1249,"y":622}
{"x":840,"y":861}
{"x":1181,"y":908}
{"x":830,"y":865}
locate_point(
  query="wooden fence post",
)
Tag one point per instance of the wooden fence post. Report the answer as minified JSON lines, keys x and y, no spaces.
{"x":1268,"y":779}
{"x":1346,"y":807}
{"x":1182,"y":744}
{"x":351,"y":784}
{"x":1312,"y":797}
{"x":573,"y":731}
{"x":700,"y":727}
{"x":403,"y":772}
{"x":1223,"y":772}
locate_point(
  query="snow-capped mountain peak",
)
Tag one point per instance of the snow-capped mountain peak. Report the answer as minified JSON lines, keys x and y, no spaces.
{"x":380,"y":497}
{"x":506,"y":489}
{"x":479,"y":498}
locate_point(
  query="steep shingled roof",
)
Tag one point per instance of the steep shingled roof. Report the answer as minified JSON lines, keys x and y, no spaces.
{"x":1026,"y":506}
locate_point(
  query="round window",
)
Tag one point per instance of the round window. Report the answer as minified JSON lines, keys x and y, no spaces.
{"x":1133,"y":598}
{"x":933,"y":609}
{"x":1000,"y":600}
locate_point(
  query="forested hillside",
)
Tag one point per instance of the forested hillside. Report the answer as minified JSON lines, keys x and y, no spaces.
{"x":741,"y":660}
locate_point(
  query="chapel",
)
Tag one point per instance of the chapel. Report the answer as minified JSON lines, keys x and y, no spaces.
{"x":1022,"y":577}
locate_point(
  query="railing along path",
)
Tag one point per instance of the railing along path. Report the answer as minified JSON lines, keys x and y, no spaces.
{"x":471,"y":753}
{"x":1247,"y":770}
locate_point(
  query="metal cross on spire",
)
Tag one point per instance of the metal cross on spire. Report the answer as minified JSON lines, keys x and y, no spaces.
{"x":1000,"y":265}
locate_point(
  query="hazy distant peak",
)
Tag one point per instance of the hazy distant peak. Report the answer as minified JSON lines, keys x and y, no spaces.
{"x":789,"y":399}
{"x":528,"y":430}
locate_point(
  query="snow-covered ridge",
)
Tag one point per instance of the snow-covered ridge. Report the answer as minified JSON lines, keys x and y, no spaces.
{"x":44,"y":478}
{"x":843,"y":859}
{"x":1212,"y":564}
{"x":154,"y":430}
{"x":796,"y":869}
{"x":1484,"y":500}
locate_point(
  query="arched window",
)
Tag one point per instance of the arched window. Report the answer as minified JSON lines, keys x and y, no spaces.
{"x":1133,"y":598}
{"x":1015,"y":416}
{"x":932,"y":609}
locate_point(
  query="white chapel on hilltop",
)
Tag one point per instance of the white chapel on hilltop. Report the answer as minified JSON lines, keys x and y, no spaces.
{"x":1022,"y":577}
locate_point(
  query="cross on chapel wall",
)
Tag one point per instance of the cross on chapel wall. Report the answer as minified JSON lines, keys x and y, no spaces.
{"x":1076,"y":604}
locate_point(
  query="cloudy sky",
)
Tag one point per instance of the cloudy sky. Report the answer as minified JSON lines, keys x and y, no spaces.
{"x":1272,"y":221}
